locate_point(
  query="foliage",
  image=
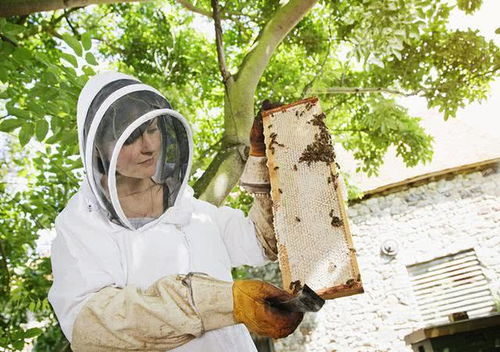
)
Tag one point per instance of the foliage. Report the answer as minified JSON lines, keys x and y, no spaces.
{"x":45,"y":59}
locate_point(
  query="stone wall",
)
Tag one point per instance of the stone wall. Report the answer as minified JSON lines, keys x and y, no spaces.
{"x":428,"y":221}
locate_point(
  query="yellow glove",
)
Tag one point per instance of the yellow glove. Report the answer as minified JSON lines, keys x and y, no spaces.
{"x":251,"y":308}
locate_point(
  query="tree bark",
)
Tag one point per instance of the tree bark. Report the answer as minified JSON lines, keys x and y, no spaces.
{"x":25,"y":7}
{"x":226,"y":168}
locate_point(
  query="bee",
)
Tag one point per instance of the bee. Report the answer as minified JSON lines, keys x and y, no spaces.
{"x":350,"y":283}
{"x":295,"y":286}
{"x":297,"y":218}
{"x":336,"y":221}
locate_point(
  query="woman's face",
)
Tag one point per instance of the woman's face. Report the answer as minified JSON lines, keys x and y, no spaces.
{"x":139,"y":159}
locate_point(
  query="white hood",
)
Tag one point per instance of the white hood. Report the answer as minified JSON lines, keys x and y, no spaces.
{"x":113,"y":108}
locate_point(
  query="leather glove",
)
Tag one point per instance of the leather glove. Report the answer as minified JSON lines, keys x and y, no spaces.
{"x":257,"y":145}
{"x":251,"y":307}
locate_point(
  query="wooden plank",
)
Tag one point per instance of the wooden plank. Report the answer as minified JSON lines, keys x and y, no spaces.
{"x":482,"y":296}
{"x":450,"y":293}
{"x":450,"y":280}
{"x":458,"y":285}
{"x":473,"y":314}
{"x":312,"y":229}
{"x":452,"y":308}
{"x":431,"y":271}
{"x":443,"y":260}
{"x":431,"y":175}
{"x":447,"y":274}
{"x":453,"y":328}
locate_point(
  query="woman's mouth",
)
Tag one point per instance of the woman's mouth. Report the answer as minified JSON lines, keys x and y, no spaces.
{"x":147,"y":162}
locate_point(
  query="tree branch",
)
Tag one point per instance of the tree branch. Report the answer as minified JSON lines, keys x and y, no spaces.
{"x":4,"y":264}
{"x":5,"y":39}
{"x":354,"y":90}
{"x":271,"y":35}
{"x":218,"y":40}
{"x":240,"y":99}
{"x":206,"y":152}
{"x":25,"y":7}
{"x":309,"y":85}
{"x":189,"y":6}
{"x":75,"y":32}
{"x":221,"y":175}
{"x":223,"y":14}
{"x":49,"y":25}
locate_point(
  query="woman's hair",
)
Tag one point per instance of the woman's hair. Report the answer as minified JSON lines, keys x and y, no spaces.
{"x":139,"y":131}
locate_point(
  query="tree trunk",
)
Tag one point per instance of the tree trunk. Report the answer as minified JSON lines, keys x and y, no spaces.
{"x":226,"y":168}
{"x":25,"y":7}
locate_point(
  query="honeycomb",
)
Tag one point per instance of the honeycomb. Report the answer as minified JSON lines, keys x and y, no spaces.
{"x":314,"y":241}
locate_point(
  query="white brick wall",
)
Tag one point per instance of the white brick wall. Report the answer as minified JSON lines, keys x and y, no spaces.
{"x":428,"y":221}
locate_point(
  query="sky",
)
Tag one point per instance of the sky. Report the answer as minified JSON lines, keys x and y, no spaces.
{"x":473,"y":135}
{"x":486,"y":20}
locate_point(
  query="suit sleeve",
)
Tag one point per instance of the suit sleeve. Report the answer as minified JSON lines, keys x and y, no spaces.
{"x":249,"y":240}
{"x":97,"y":313}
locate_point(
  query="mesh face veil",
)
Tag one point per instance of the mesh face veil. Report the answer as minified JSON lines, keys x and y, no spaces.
{"x":136,"y":149}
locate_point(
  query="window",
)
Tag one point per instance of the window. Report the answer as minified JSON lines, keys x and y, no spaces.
{"x":451,"y":284}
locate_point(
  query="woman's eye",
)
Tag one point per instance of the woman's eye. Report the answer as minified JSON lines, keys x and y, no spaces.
{"x":152,"y":130}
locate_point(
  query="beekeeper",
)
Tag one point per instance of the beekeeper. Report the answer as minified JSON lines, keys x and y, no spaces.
{"x":138,"y":262}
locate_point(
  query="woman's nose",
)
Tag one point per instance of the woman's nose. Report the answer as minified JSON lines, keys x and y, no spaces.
{"x":147,"y":144}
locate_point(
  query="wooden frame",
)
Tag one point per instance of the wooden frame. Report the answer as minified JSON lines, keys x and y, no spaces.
{"x":310,"y":218}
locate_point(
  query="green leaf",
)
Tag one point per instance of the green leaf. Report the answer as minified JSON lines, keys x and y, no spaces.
{"x":36,"y":107}
{"x":497,"y":31}
{"x":44,"y":59}
{"x":22,"y":54}
{"x":10,"y":125}
{"x":70,"y":58}
{"x":86,"y":41}
{"x":33,"y":332}
{"x":24,"y":114}
{"x":12,"y":29}
{"x":18,"y":345}
{"x":69,"y":138}
{"x":10,"y":37}
{"x":6,"y":48}
{"x":26,"y":133}
{"x":89,"y":71}
{"x":91,"y":59}
{"x":42,"y":127}
{"x":73,"y":43}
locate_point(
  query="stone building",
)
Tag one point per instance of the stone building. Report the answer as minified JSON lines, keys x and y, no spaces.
{"x":428,"y":245}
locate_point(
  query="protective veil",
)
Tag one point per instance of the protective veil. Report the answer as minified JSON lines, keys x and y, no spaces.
{"x":119,"y":269}
{"x":126,"y":114}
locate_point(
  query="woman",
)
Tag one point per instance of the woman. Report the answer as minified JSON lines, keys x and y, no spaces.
{"x":138,"y":262}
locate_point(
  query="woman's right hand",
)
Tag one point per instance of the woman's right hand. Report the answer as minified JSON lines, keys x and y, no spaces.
{"x":251,"y":307}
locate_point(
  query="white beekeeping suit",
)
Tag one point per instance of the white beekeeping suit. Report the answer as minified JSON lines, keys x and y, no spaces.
{"x":121,"y":278}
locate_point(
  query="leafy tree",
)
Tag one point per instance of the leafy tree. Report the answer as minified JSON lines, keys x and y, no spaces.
{"x":357,"y":56}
